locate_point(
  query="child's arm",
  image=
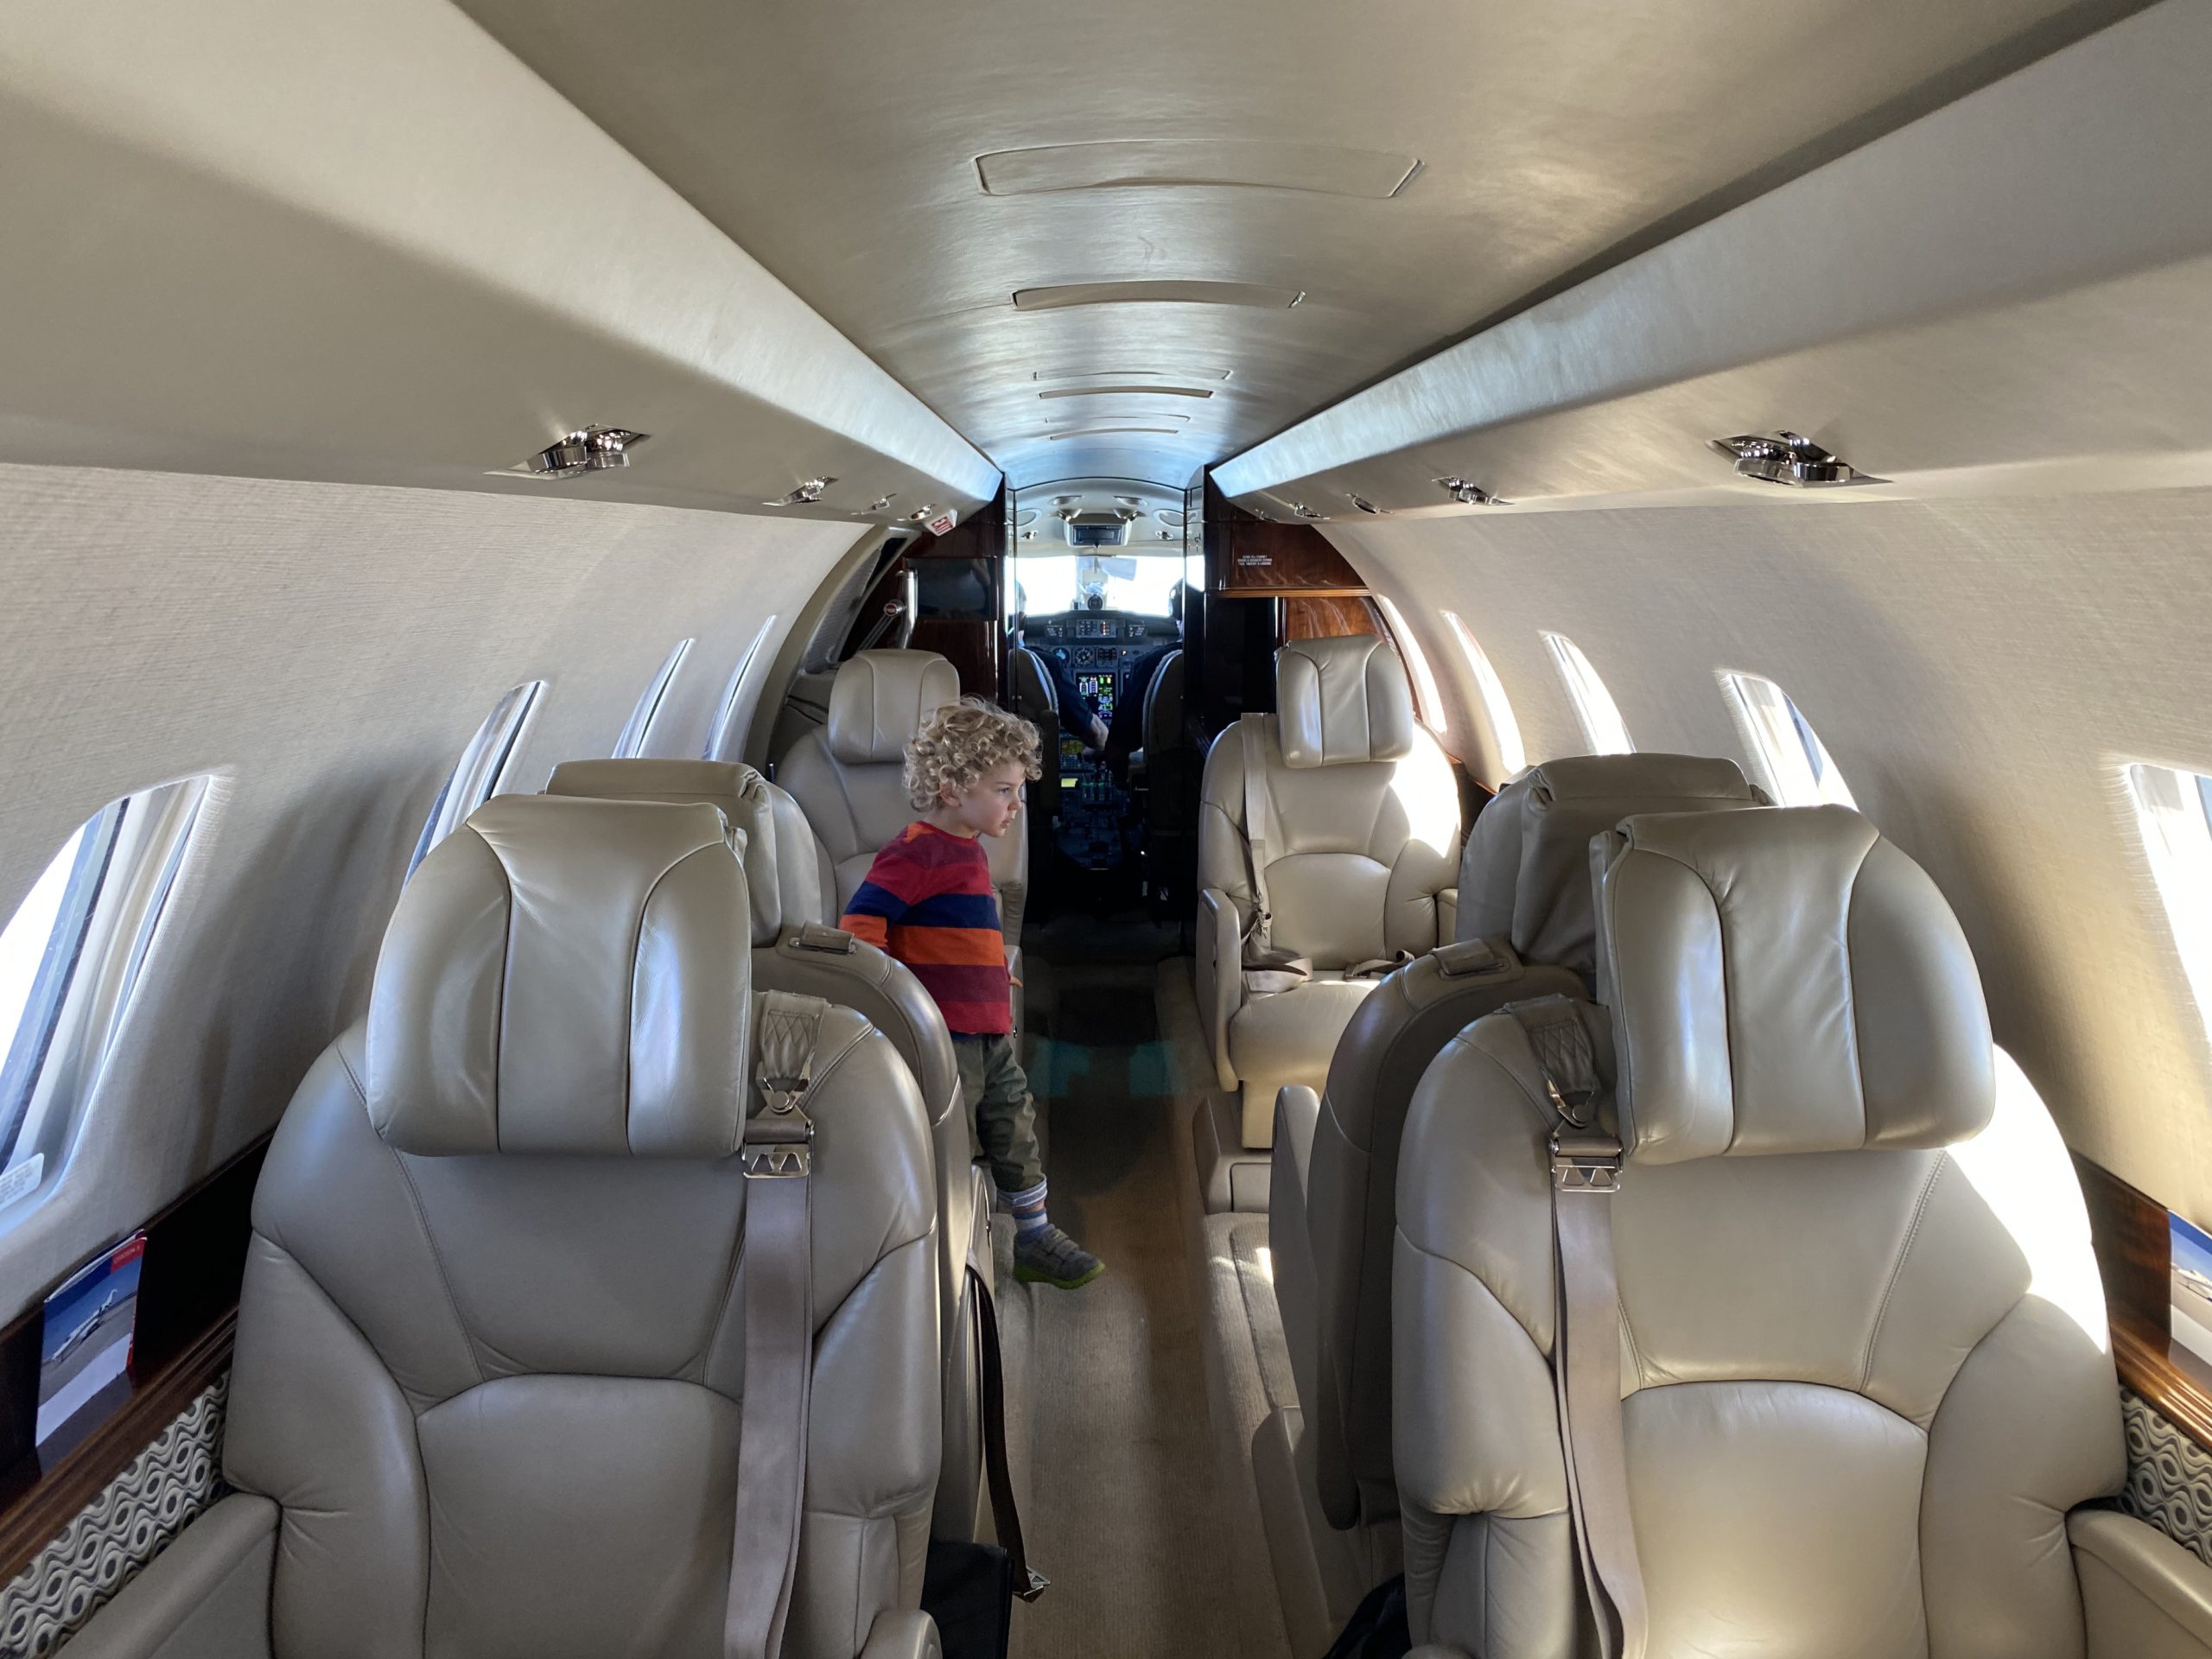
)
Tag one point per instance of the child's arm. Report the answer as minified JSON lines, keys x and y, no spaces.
{"x":895,"y":883}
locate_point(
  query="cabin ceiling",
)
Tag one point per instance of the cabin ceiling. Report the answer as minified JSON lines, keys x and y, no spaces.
{"x":1159,"y":182}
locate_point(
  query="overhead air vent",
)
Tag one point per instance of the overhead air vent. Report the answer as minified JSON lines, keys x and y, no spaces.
{"x":1162,"y":291}
{"x":1467,"y":494}
{"x":595,"y":449}
{"x":806,"y":494}
{"x":1366,"y":505}
{"x":1325,"y":169}
{"x":1124,"y":391}
{"x":1787,"y":458}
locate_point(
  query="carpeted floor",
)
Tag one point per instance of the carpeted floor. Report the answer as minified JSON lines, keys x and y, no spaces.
{"x":1120,"y":1505}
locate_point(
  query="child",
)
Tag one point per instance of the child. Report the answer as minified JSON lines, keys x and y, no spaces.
{"x":928,"y":901}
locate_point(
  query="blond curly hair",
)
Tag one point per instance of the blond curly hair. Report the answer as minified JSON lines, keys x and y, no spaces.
{"x":960,"y":742}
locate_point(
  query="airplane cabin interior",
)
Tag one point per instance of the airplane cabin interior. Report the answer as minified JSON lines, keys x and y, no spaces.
{"x":920,"y":832}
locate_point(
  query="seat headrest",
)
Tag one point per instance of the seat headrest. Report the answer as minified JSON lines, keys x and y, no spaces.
{"x":1342,"y":699}
{"x":1524,"y":876}
{"x":567,"y":975}
{"x":1784,"y":980}
{"x":776,"y":843}
{"x":880,"y":699}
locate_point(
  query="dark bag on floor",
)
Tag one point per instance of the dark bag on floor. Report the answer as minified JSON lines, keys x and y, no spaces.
{"x":1377,"y":1628}
{"x":969,"y":1589}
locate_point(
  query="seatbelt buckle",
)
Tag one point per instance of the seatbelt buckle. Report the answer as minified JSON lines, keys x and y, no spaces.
{"x":1585,"y":1161}
{"x":778,"y":1145}
{"x":1037,"y":1584}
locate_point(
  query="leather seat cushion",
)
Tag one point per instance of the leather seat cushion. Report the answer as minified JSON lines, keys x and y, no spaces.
{"x":1290,"y":1036}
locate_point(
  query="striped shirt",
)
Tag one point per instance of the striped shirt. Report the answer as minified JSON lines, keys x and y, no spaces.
{"x":927,"y":901}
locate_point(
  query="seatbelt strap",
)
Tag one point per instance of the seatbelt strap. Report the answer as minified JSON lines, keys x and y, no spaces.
{"x":1259,"y":829}
{"x":1006,"y":1518}
{"x":1587,"y":1325}
{"x":777,"y":1150}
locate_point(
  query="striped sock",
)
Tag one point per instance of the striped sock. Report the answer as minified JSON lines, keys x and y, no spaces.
{"x":1028,"y":1207}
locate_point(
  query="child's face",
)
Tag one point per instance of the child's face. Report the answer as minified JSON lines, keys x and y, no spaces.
{"x":991,"y":806}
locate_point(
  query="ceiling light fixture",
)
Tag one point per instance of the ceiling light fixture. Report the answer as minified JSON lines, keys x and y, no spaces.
{"x":1786,"y":458}
{"x":920,"y":515}
{"x":595,"y":449}
{"x":882,"y":504}
{"x":1366,"y":505}
{"x":1467,"y":494}
{"x":1303,"y":510}
{"x":805,"y":495}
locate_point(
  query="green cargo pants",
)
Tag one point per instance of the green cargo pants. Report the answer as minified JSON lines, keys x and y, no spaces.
{"x":1002,"y":1115}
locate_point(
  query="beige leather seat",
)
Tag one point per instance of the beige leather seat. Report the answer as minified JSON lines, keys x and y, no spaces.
{"x":846,"y":777}
{"x":1527,"y":929}
{"x":1862,"y":1354}
{"x":489,"y":1360}
{"x":795,"y":950}
{"x":1031,"y":694}
{"x":1366,"y":836}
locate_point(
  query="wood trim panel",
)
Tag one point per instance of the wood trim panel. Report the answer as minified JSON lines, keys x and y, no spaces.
{"x":2134,"y":1260}
{"x":1248,"y":557}
{"x":35,"y":1507}
{"x":187,"y":1310}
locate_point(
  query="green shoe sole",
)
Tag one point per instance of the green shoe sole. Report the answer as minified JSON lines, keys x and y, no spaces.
{"x":1037,"y":1276}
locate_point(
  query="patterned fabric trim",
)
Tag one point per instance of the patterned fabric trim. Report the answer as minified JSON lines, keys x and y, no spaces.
{"x":2168,"y":1477}
{"x":115,"y":1535}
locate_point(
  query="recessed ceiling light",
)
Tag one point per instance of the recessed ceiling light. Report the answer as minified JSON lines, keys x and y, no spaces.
{"x":1114,"y":432}
{"x":1124,"y":391}
{"x":1220,"y":163}
{"x":1052,"y":377}
{"x":1156,"y":291}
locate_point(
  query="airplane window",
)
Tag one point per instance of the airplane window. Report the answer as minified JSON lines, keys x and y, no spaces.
{"x":639,"y":726}
{"x":1799,"y":771}
{"x":1428,"y":702}
{"x":737,"y":703}
{"x":1602,"y":726}
{"x":70,"y":958}
{"x":482,"y":769}
{"x":2173,"y":807}
{"x":1512,"y":753}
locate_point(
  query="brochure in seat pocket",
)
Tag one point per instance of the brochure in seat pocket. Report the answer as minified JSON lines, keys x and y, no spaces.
{"x":84,"y":1370}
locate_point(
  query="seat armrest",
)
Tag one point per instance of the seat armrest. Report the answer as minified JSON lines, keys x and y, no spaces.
{"x":903,"y":1633}
{"x":204,"y":1597}
{"x":1290,"y":1239}
{"x":2143,"y":1595}
{"x":1220,"y":976}
{"x":1448,"y":915}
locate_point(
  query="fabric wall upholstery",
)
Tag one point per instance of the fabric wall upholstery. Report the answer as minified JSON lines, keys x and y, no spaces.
{"x":330,"y":649}
{"x":1979,"y":669}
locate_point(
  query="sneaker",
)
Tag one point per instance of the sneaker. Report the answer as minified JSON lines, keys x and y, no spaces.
{"x":1049,"y":1257}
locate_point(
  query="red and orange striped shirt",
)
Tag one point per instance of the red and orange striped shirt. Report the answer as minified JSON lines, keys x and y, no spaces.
{"x":927,"y":901}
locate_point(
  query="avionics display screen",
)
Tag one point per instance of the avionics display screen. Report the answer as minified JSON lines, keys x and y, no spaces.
{"x":1098,"y":691}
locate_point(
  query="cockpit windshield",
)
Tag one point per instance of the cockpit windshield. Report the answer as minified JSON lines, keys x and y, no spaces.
{"x":1052,"y":582}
